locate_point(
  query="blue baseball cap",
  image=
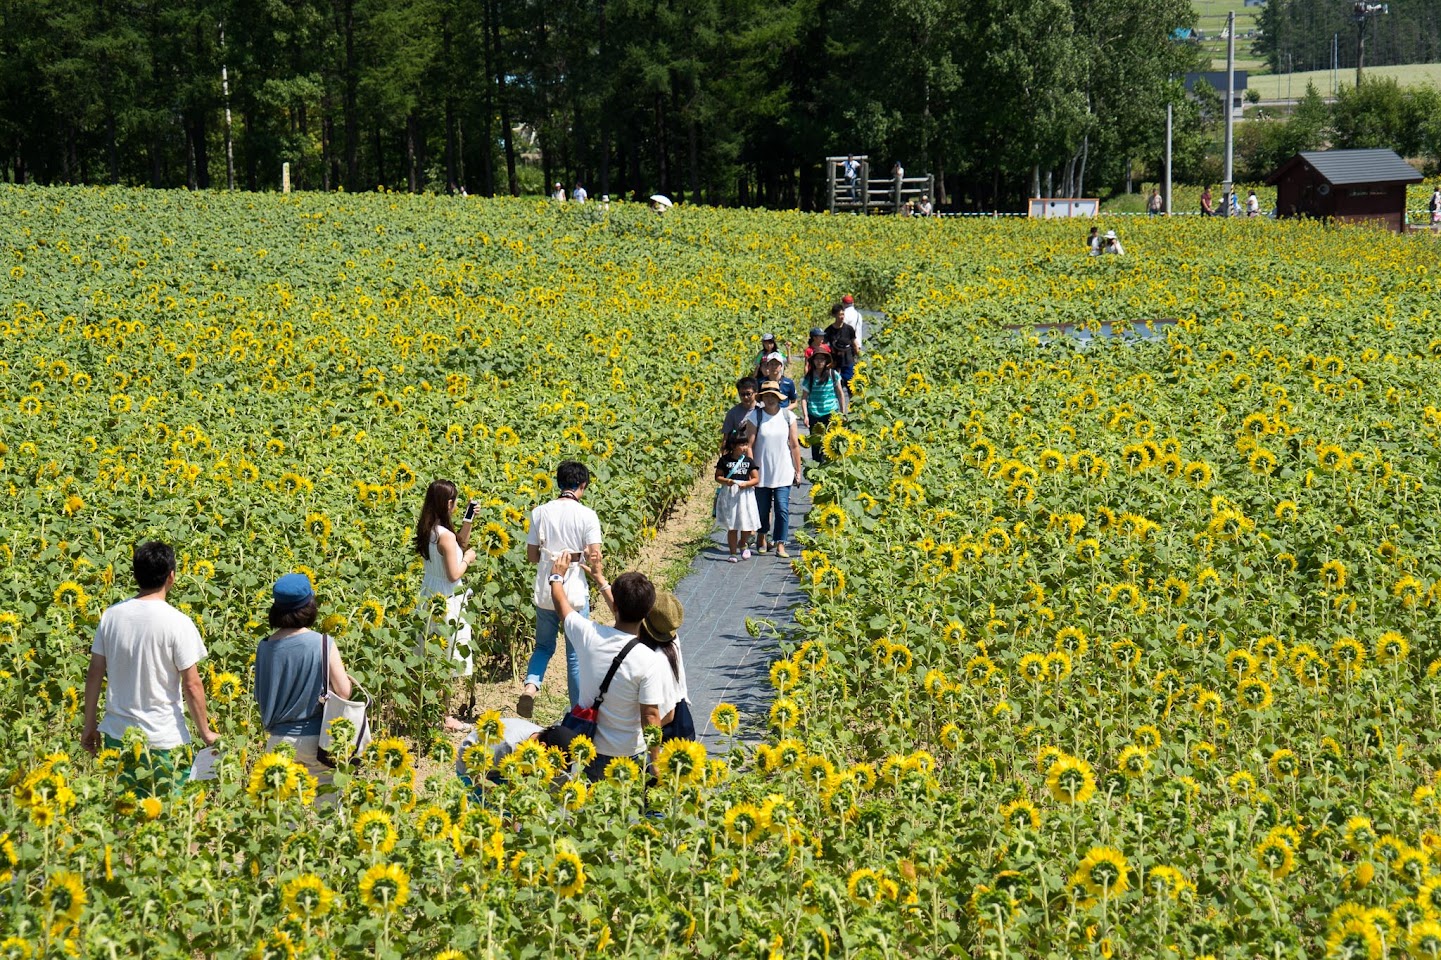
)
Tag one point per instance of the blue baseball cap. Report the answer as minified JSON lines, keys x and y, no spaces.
{"x":292,"y":591}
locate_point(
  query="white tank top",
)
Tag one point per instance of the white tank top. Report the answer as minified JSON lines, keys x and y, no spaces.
{"x":435,"y":579}
{"x":773,"y":448}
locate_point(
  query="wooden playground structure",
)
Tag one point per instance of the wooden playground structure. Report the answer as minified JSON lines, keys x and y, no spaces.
{"x":872,"y":195}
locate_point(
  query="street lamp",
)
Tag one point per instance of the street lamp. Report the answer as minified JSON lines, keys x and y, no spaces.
{"x":1362,"y":12}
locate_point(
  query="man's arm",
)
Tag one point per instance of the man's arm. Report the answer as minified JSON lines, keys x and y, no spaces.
{"x":90,"y":739}
{"x":194,"y":689}
{"x":532,"y":553}
{"x":559,"y":568}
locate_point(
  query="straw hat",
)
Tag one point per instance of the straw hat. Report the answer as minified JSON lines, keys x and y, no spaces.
{"x":663,"y":622}
{"x":772,"y":387}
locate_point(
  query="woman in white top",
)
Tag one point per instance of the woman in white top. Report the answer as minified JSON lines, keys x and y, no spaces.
{"x":447,"y":556}
{"x":778,"y":455}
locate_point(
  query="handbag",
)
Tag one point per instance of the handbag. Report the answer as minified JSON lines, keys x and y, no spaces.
{"x":681,"y":726}
{"x":581,"y":721}
{"x":336,"y":707}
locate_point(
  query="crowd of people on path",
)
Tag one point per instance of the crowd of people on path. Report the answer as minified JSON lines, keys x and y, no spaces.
{"x":621,"y":678}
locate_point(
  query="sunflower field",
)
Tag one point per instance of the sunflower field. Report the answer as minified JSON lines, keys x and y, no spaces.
{"x":1116,"y":647}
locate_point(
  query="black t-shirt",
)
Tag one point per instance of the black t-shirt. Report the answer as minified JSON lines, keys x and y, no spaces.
{"x":842,"y":343}
{"x":736,"y":466}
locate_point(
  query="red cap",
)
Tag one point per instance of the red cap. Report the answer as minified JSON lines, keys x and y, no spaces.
{"x":848,"y":299}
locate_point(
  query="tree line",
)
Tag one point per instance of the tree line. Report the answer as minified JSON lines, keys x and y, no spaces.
{"x":716,"y":101}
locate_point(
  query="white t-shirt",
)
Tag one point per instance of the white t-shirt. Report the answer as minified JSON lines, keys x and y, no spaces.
{"x":773,"y":448}
{"x":852,"y":169}
{"x":644,"y":677}
{"x":147,"y":644}
{"x":563,"y":525}
{"x":852,"y":318}
{"x":579,"y":195}
{"x":1253,"y":205}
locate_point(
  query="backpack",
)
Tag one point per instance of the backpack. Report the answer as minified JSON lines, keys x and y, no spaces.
{"x":842,"y":343}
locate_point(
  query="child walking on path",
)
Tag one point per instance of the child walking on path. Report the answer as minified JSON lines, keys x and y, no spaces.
{"x":738,"y":475}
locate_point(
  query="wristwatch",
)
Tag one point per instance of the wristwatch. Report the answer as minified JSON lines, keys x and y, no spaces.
{"x":555,"y":578}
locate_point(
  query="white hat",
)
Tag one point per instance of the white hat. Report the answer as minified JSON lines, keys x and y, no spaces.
{"x":1110,"y":234}
{"x":661,"y":199}
{"x":775,"y":355}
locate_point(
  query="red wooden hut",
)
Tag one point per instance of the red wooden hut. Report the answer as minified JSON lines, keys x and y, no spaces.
{"x":1356,"y":186}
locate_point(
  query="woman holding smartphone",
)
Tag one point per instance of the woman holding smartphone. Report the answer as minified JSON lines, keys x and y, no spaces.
{"x":447,"y":555}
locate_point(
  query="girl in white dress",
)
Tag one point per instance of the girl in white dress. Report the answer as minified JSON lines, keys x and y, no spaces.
{"x":447,"y":556}
{"x":738,"y":476}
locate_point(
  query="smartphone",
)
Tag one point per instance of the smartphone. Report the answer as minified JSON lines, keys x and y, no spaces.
{"x":470,"y":511}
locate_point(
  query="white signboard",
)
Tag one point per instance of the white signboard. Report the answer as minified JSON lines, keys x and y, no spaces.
{"x":1049,"y":207}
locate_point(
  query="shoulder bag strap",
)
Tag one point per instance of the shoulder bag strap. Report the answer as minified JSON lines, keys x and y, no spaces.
{"x":324,"y":667}
{"x":610,"y":674}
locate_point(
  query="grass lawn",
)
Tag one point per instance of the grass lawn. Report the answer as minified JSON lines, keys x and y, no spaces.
{"x":1274,"y":86}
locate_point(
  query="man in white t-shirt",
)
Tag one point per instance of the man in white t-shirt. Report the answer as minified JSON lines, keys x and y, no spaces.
{"x":853,"y":319}
{"x":148,"y":651}
{"x":564,"y":525}
{"x":1253,"y":205}
{"x":578,"y":194}
{"x":643,"y":685}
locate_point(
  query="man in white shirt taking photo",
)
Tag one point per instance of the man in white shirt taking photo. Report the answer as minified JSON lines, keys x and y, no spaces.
{"x":562,"y":526}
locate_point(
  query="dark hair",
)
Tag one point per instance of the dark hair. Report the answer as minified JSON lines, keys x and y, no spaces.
{"x":634,"y":596}
{"x":838,"y":309}
{"x":152,"y":563}
{"x":751,"y":382}
{"x":435,"y":513}
{"x":571,"y":475}
{"x":667,"y":648}
{"x":301,"y":616}
{"x":735,"y":438}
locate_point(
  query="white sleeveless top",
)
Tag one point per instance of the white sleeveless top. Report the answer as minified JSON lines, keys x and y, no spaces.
{"x":773,"y":448}
{"x":435,"y":579}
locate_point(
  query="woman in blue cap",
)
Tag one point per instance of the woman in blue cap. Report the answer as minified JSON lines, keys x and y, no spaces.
{"x":289,"y":673}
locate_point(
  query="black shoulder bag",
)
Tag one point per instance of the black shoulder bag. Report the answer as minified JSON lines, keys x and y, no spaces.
{"x":580,"y":721}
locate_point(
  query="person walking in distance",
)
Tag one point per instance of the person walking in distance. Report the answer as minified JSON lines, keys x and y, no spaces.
{"x":854,"y":319}
{"x":822,"y":397}
{"x":736,"y":510}
{"x":1154,"y":204}
{"x":851,"y":170}
{"x":1253,"y":204}
{"x":841,"y":339}
{"x":778,"y":455}
{"x":146,"y":655}
{"x":738,"y":417}
{"x":562,"y":526}
{"x":1208,"y":208}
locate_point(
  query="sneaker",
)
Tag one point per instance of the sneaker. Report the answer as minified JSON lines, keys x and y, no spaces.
{"x":746,"y":553}
{"x":781,"y":550}
{"x":525,"y":707}
{"x":732,"y":559}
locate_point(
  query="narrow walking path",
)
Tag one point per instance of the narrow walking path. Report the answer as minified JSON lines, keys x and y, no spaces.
{"x":724,"y":663}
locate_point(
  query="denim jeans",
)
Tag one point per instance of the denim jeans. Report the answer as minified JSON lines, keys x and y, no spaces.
{"x":780,"y":497}
{"x":547,"y":627}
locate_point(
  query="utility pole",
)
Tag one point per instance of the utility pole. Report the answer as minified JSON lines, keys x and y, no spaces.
{"x":1168,"y":158}
{"x":1226,"y":186}
{"x":1361,"y":13}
